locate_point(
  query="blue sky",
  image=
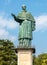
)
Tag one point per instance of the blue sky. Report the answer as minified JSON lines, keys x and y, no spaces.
{"x":9,"y":28}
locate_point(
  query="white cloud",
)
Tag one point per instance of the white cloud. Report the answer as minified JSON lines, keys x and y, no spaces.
{"x":5,"y":26}
{"x":3,"y":34}
{"x":13,"y":38}
{"x":8,"y":23}
{"x":11,"y":24}
{"x":6,"y":35}
{"x":41,"y":23}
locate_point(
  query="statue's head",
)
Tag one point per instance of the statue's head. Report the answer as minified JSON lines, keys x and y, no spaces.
{"x":24,"y":7}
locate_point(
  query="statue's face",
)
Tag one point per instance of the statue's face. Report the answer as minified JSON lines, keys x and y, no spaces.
{"x":24,"y":7}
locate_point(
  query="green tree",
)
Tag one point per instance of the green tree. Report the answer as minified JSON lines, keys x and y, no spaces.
{"x":35,"y":60}
{"x":43,"y":58}
{"x":7,"y":53}
{"x":40,"y":59}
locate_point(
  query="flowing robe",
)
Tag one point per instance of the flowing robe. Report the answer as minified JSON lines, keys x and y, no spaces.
{"x":25,"y":33}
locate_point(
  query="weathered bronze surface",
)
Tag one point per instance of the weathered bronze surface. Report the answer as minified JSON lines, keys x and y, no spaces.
{"x":27,"y":25}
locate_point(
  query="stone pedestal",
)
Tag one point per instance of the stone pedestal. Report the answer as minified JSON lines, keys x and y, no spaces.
{"x":25,"y":56}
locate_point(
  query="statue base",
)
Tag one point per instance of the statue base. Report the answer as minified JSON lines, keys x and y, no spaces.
{"x":25,"y":56}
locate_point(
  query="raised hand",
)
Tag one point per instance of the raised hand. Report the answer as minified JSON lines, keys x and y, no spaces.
{"x":12,"y":14}
{"x":16,"y":18}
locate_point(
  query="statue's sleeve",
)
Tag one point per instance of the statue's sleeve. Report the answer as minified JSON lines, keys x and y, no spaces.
{"x":17,"y":18}
{"x":33,"y":25}
{"x":33,"y":22}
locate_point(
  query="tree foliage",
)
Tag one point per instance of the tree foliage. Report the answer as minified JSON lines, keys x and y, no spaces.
{"x":7,"y":53}
{"x":40,"y":59}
